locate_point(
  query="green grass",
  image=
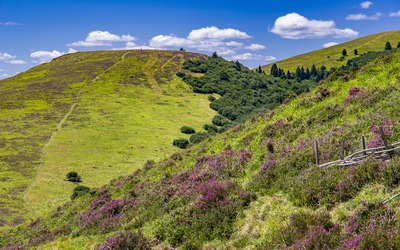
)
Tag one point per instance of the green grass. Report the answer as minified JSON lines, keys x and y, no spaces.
{"x":330,"y":57}
{"x":91,"y":113}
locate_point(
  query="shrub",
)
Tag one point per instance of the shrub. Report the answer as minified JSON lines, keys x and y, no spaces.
{"x":126,"y":241}
{"x":181,"y":143}
{"x":73,"y":177}
{"x":198,"y":137}
{"x":219,"y":120}
{"x":188,"y":130}
{"x":79,"y":191}
{"x":211,"y":98}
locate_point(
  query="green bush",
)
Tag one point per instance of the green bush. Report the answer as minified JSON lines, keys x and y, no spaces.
{"x":198,"y":137}
{"x":181,"y":143}
{"x":79,"y":191}
{"x":219,"y":120}
{"x":188,"y":130}
{"x":73,"y":177}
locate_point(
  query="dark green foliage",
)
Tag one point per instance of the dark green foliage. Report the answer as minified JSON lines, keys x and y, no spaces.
{"x":181,"y":143}
{"x":355,"y":52}
{"x":220,"y":120}
{"x":211,"y":98}
{"x":73,"y":177}
{"x":210,"y":128}
{"x":344,"y":52}
{"x":388,"y":46}
{"x":398,"y":45}
{"x":79,"y":191}
{"x":243,"y":92}
{"x":188,"y":130}
{"x":198,"y":137}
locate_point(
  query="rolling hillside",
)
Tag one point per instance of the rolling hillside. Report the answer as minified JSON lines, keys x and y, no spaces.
{"x":255,"y":185}
{"x":330,"y":57}
{"x":101,"y":114}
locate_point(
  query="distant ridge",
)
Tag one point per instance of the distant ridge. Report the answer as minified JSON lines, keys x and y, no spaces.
{"x":330,"y":57}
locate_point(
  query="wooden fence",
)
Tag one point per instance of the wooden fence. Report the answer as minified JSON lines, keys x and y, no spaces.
{"x":384,"y":152}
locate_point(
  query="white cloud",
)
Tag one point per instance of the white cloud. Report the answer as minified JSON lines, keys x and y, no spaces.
{"x":101,"y":38}
{"x":132,"y":45}
{"x":366,"y":5}
{"x":234,"y":44}
{"x":255,"y":47}
{"x":11,"y":59}
{"x":295,"y":26}
{"x":360,"y":17}
{"x":16,"y":62}
{"x":250,"y":56}
{"x":330,"y":44}
{"x":42,"y":56}
{"x":170,"y":41}
{"x":216,"y":33}
{"x":6,"y":57}
{"x":2,"y":76}
{"x":207,"y":39}
{"x":395,"y":14}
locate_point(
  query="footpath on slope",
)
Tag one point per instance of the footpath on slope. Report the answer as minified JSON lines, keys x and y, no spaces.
{"x":57,"y":131}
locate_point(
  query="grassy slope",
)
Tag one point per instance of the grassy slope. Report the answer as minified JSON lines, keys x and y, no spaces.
{"x":114,"y":111}
{"x":329,"y":57}
{"x":307,"y":118}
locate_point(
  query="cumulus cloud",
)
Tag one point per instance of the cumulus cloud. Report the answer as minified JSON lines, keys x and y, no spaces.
{"x":255,"y":47}
{"x":360,"y":17}
{"x":330,"y":44}
{"x":11,"y":59}
{"x":208,"y":39}
{"x":216,"y":33}
{"x":101,"y":38}
{"x":2,"y":76}
{"x":42,"y":56}
{"x":395,"y":14}
{"x":250,"y":56}
{"x":366,"y":5}
{"x":295,"y":26}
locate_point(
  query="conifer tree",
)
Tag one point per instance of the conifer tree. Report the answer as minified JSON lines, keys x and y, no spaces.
{"x":388,"y":46}
{"x":344,"y":52}
{"x":355,"y":52}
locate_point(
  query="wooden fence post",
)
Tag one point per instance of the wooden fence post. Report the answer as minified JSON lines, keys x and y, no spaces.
{"x":383,"y":138}
{"x":363,"y":144}
{"x":316,"y":153}
{"x":342,"y":151}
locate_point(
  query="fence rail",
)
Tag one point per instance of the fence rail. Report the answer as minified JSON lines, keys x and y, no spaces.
{"x":383,"y":152}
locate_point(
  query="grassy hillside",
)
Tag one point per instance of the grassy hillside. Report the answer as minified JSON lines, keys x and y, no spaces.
{"x":256,"y":185}
{"x":102,"y":114}
{"x":330,"y":57}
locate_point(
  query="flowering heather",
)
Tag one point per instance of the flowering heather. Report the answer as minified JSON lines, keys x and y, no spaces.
{"x":376,"y":141}
{"x":266,"y":167}
{"x":109,"y":215}
{"x":355,"y":93}
{"x":126,"y":241}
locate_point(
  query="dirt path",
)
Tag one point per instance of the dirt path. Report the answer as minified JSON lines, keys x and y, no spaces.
{"x":57,"y":131}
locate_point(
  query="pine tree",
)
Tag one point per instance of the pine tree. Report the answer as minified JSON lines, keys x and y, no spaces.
{"x":274,"y":70}
{"x":260,"y":69}
{"x":388,"y":46}
{"x":355,"y":52}
{"x":344,"y":52}
{"x":398,"y":45}
{"x":314,"y":71}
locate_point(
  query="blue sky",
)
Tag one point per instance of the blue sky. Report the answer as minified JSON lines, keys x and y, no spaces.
{"x":253,"y":32}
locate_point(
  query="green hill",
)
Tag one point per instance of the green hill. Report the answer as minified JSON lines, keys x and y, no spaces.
{"x":101,"y":114}
{"x":255,"y":185}
{"x":331,"y":56}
